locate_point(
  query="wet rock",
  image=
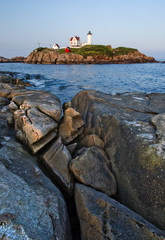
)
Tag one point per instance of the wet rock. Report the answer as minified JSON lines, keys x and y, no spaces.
{"x":92,"y":168}
{"x":159,"y":122}
{"x":92,"y":140}
{"x":57,"y":159}
{"x":135,"y":153}
{"x":4,"y":78}
{"x":3,"y":101}
{"x":31,"y":207}
{"x":19,"y":95}
{"x":101,"y":217}
{"x":71,"y":126}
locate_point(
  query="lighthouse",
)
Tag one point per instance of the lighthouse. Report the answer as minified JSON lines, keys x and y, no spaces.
{"x":89,"y":38}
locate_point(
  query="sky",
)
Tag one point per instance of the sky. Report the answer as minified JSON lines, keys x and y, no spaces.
{"x":27,"y":24}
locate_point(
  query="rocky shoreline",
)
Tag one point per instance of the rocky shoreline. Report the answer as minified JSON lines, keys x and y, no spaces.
{"x":108,"y":152}
{"x":54,"y":57}
{"x":71,"y":58}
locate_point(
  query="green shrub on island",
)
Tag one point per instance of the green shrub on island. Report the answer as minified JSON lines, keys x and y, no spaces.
{"x":123,"y":51}
{"x":40,"y":49}
{"x":93,"y":50}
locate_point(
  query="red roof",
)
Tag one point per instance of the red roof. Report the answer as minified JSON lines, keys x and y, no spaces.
{"x":57,"y":45}
{"x":78,"y":38}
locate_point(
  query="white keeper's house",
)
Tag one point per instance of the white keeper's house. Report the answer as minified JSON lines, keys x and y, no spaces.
{"x":75,"y":42}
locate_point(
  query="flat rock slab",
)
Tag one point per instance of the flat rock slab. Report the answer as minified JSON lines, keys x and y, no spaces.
{"x":130,"y":126}
{"x":92,"y":168}
{"x":34,"y":128}
{"x":101,"y":218}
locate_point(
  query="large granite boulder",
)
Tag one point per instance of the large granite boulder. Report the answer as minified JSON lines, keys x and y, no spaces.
{"x":92,"y":168}
{"x":128,"y":124}
{"x":101,"y":217}
{"x":31,"y":207}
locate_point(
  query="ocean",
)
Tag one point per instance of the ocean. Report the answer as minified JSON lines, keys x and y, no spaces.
{"x":66,"y":80}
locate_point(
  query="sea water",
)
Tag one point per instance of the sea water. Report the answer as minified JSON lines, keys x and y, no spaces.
{"x":65,"y":81}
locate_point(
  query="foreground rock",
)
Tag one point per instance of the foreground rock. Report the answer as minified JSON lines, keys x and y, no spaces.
{"x":136,"y":153}
{"x":36,"y":114}
{"x":57,"y":159}
{"x":92,"y":168}
{"x":71,"y":126}
{"x":31,"y":207}
{"x":101,"y":217}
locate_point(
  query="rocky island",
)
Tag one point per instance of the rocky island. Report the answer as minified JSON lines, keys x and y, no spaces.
{"x":99,"y":164}
{"x":90,"y":54}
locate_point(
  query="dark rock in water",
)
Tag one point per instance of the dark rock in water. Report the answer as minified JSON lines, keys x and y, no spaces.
{"x":5,"y":78}
{"x":4,"y":60}
{"x":57,"y":159}
{"x":18,"y":59}
{"x":101,"y":217}
{"x":135,"y":152}
{"x":92,"y":168}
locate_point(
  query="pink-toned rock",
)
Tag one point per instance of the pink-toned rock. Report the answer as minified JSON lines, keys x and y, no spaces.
{"x":92,"y":140}
{"x":71,"y":126}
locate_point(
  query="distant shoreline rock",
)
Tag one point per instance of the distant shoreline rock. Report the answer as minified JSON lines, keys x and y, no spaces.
{"x":14,"y":59}
{"x":4,"y":60}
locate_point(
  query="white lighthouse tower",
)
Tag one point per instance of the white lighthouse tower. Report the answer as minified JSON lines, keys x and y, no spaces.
{"x":89,"y":38}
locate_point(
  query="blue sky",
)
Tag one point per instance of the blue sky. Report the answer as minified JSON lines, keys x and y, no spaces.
{"x":131,"y":23}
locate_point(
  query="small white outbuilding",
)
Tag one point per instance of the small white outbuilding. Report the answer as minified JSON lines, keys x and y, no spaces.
{"x":56,"y":46}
